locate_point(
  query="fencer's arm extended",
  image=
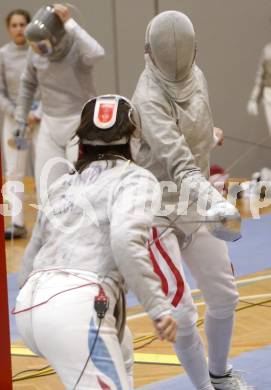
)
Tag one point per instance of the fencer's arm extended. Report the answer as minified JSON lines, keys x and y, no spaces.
{"x":6,"y":105}
{"x":131,"y":219}
{"x":162,"y":134}
{"x":170,"y":147}
{"x":257,"y":91}
{"x":33,"y":247}
{"x":89,"y":49}
{"x":28,"y":87}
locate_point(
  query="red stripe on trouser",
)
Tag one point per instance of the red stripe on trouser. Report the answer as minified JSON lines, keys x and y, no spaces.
{"x":103,"y":385}
{"x":180,"y":283}
{"x":159,"y":272}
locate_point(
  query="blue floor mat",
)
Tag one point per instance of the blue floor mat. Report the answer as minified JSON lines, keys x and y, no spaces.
{"x":253,"y":252}
{"x":255,"y":364}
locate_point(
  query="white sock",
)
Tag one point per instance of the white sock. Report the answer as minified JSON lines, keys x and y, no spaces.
{"x":218,"y":332}
{"x":190,"y":351}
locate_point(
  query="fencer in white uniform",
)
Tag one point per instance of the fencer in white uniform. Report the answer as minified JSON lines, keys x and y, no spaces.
{"x":61,"y":65}
{"x":177,"y":137}
{"x":12,"y":61}
{"x":90,"y":238}
{"x":261,"y":91}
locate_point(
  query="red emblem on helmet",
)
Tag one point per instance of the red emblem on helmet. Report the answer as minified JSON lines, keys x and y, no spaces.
{"x":106,"y":112}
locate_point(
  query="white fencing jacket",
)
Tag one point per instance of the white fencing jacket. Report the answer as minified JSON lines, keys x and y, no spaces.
{"x":65,"y":83}
{"x":99,"y":221}
{"x":12,"y":62}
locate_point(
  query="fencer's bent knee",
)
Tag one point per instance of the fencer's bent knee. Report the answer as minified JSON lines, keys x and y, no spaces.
{"x":225,"y":306}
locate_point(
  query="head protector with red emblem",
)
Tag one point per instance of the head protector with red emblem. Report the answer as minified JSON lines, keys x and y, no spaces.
{"x":108,"y":120}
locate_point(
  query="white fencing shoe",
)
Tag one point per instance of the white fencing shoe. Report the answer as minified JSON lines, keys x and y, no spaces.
{"x":232,"y":380}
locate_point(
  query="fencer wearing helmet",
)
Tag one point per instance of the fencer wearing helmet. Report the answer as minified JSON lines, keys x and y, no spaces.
{"x":90,"y":237}
{"x":61,"y":63}
{"x":261,"y":91}
{"x":177,"y":137}
{"x":12,"y":61}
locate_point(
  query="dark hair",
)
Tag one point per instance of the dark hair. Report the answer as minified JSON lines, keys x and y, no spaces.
{"x":91,"y":153}
{"x":22,"y":12}
{"x":122,"y":127}
{"x":88,"y":131}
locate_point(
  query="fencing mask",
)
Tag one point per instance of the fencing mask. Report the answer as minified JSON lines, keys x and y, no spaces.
{"x":45,"y":31}
{"x":171,"y":44}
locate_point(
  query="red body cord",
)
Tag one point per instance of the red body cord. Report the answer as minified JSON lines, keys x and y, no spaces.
{"x":101,"y":290}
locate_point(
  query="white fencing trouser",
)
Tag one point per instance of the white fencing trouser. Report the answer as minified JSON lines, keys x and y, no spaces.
{"x":16,"y":163}
{"x":267,"y":106}
{"x":208,"y":261}
{"x":167,"y":262}
{"x":64,"y":329}
{"x":54,"y":141}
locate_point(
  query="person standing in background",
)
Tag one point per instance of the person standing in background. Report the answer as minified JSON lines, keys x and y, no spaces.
{"x":60,"y":64}
{"x":12,"y":62}
{"x":261,"y":91}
